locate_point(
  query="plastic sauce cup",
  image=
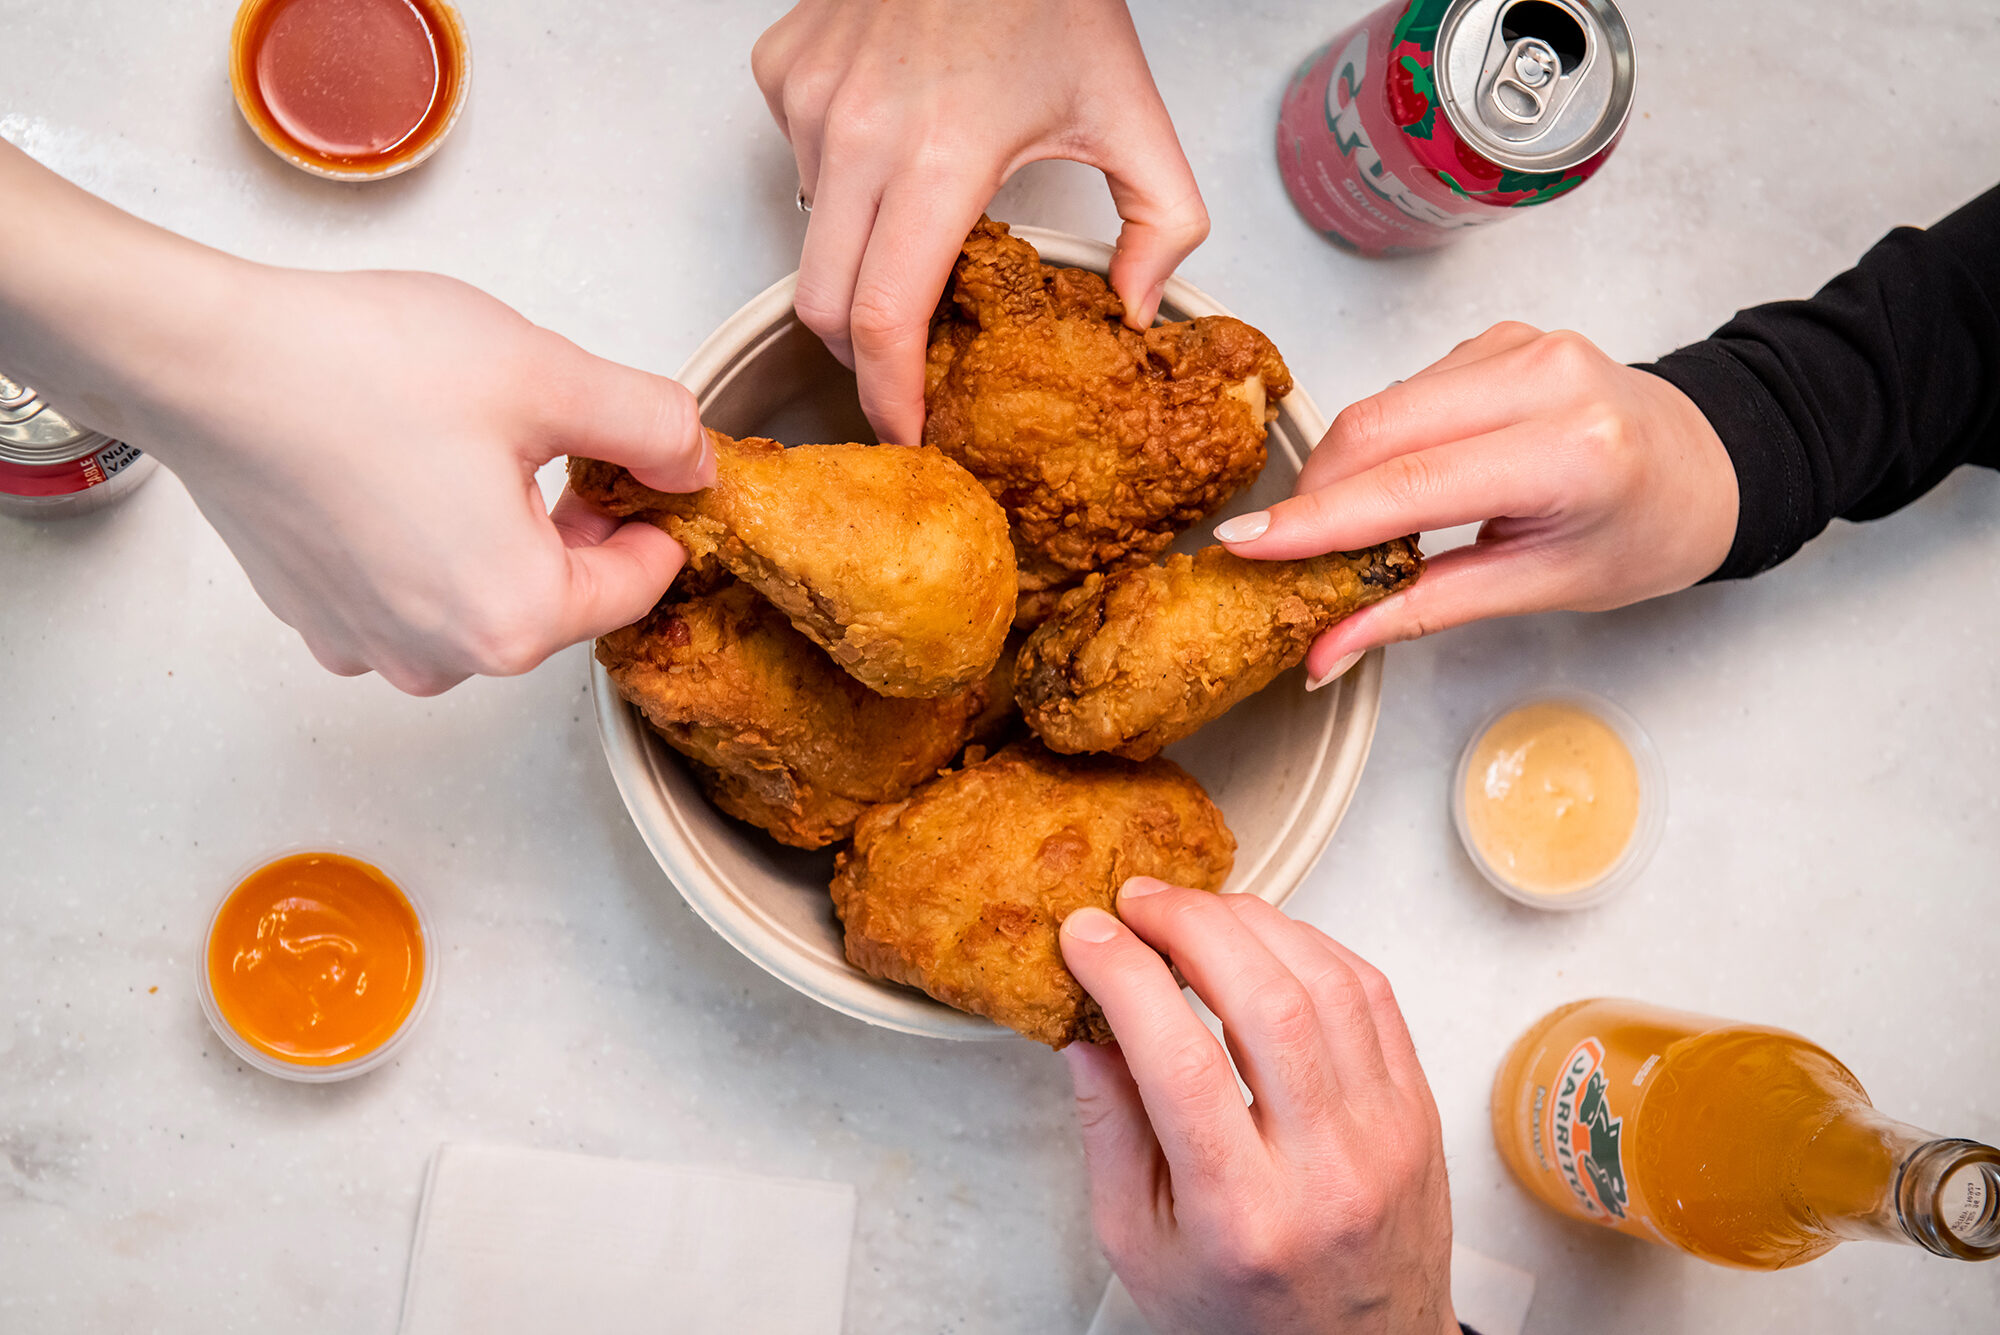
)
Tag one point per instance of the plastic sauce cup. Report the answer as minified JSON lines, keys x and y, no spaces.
{"x":316,"y":965}
{"x":1497,"y":766}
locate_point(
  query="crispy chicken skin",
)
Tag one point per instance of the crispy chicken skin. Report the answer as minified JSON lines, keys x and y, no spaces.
{"x":780,"y":736}
{"x":893,"y":559}
{"x":1134,"y":661}
{"x":960,"y":889}
{"x":1102,"y":443}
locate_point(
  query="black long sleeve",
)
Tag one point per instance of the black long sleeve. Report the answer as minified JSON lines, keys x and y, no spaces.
{"x":1855,"y":403}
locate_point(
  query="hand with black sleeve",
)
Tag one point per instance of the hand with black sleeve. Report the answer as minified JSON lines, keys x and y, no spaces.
{"x":1599,"y":485}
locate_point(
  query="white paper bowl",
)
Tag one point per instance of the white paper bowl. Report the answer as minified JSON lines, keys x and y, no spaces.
{"x":1282,"y":765}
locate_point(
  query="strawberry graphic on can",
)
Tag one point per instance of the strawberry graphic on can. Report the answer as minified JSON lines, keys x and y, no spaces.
{"x":1431,"y":116}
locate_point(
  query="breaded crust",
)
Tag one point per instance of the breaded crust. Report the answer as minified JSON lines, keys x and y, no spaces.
{"x":960,"y":889}
{"x":1133,"y":661}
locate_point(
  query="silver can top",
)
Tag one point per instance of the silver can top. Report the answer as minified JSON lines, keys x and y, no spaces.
{"x":31,"y":432}
{"x":1535,"y":85}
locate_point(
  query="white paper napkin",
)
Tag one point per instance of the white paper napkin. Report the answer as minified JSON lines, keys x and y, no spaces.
{"x":525,"y":1242}
{"x":1489,"y":1297}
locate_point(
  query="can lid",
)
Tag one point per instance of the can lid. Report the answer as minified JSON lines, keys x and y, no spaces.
{"x":31,"y":432}
{"x":1535,"y":85}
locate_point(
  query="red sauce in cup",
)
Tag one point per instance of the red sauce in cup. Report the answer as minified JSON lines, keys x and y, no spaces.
{"x":349,"y":88}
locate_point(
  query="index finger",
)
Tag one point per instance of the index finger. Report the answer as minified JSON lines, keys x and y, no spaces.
{"x":1464,"y":482}
{"x":918,"y":233}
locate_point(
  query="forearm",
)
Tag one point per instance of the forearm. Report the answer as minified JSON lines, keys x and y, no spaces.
{"x":108,"y":316}
{"x":1858,"y":401}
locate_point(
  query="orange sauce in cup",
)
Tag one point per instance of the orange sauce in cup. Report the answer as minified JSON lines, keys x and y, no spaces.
{"x":349,"y":88}
{"x":316,"y":959}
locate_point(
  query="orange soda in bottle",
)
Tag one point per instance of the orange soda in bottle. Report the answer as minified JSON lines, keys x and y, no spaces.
{"x":1743,"y":1144}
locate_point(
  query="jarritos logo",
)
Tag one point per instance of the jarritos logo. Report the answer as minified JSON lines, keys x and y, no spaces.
{"x":1584,"y":1135}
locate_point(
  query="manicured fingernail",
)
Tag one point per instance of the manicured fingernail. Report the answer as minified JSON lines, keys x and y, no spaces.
{"x":1339,"y":669}
{"x":1244,"y":528}
{"x":704,"y":468}
{"x":1093,"y":925}
{"x":1136,"y":886}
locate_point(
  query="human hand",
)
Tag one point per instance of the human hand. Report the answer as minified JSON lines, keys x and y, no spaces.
{"x":1596,"y":485}
{"x":1319,"y":1207}
{"x":906,"y":116}
{"x":366,"y":443}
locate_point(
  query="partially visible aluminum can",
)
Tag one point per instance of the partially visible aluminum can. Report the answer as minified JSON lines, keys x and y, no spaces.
{"x":52,"y":468}
{"x":1431,"y":116}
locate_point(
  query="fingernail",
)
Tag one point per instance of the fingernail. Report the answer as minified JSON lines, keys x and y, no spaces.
{"x":1339,"y":669}
{"x":1244,"y":528}
{"x":1093,"y":925}
{"x":1136,"y":886}
{"x":704,"y":468}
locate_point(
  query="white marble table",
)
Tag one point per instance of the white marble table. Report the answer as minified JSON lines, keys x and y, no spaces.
{"x":1831,"y":732}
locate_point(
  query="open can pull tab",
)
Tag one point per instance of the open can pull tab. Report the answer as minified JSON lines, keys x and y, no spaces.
{"x":1527,"y":74}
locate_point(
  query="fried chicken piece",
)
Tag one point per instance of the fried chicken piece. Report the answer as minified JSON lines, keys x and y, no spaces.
{"x":1102,"y":443}
{"x":893,"y":559}
{"x":1134,"y":661}
{"x":961,"y":889}
{"x":780,"y":736}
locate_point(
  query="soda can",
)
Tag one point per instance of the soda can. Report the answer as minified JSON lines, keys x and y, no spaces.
{"x":52,"y":468}
{"x":1431,"y":116}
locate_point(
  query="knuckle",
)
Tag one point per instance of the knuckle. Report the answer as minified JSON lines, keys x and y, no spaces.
{"x":857,"y":118}
{"x":1283,"y":1009}
{"x":1409,"y":481}
{"x":1190,"y":1065}
{"x":878,"y":318}
{"x":820,"y":308}
{"x":1257,"y":1252}
{"x":1358,"y":424}
{"x":1566,"y":352}
{"x":1511,"y":331}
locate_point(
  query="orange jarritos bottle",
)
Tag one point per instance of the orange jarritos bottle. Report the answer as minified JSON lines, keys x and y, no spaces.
{"x":1740,"y":1143}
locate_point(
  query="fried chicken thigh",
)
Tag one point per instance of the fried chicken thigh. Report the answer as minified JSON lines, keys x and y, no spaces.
{"x":961,"y":889}
{"x":781,"y":737}
{"x":1103,"y":443}
{"x":1134,"y":661}
{"x":892,"y":558}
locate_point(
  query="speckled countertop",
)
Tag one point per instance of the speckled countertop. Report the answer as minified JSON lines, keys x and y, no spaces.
{"x":1831,"y":732}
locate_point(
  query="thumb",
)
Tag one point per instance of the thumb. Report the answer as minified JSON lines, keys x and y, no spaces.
{"x":646,"y":422}
{"x":615,"y":582}
{"x":1119,"y":1151}
{"x":1465,"y":584}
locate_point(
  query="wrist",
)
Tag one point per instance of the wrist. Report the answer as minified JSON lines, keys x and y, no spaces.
{"x":109,"y":317}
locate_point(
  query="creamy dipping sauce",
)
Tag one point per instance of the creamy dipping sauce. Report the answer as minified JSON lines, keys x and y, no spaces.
{"x":1551,"y":797}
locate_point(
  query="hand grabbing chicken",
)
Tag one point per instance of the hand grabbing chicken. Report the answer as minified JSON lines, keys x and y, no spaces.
{"x":891,"y":558}
{"x":1102,"y":442}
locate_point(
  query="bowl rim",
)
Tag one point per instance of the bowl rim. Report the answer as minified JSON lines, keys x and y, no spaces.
{"x":1347,"y":734}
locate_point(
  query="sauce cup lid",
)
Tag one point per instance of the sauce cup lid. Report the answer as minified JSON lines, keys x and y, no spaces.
{"x":1647,"y":827}
{"x":254,"y":1056}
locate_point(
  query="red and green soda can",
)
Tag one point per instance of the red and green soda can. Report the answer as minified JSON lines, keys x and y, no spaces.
{"x":1431,"y":116}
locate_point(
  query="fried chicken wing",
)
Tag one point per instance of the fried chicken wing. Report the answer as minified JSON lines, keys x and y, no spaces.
{"x":780,"y":736}
{"x":961,"y":889}
{"x":892,"y":558}
{"x":1103,"y":443}
{"x":1133,"y":661}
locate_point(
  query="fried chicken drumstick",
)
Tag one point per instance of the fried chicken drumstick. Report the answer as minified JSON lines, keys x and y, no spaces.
{"x":780,"y":736}
{"x":961,"y":889}
{"x":893,"y":559}
{"x":1133,"y":661}
{"x":1103,"y":443}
